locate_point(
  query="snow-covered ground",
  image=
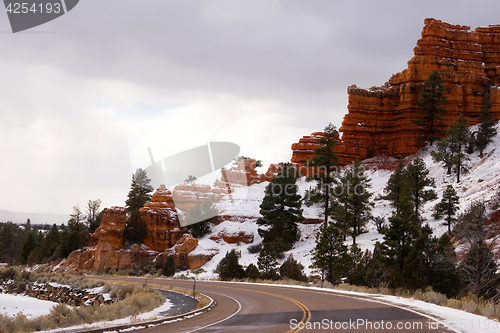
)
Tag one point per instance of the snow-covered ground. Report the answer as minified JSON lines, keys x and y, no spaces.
{"x":151,"y":315}
{"x":243,"y":203}
{"x":11,"y":305}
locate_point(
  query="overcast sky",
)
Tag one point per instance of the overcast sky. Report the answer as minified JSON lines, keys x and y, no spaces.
{"x":83,"y":96}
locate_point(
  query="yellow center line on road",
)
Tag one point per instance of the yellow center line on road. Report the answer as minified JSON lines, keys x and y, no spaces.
{"x":306,"y":312}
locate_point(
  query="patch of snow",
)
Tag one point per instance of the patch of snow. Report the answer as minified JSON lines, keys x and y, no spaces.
{"x":151,"y":315}
{"x":31,"y":307}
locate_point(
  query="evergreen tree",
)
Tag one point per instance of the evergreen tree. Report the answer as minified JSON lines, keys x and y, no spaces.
{"x":169,"y":267}
{"x":480,"y":240}
{"x":417,"y":179}
{"x":487,"y":126}
{"x":445,"y":152}
{"x":229,"y":267}
{"x":330,"y":255}
{"x":200,"y":217}
{"x":448,"y":206}
{"x":432,"y":97}
{"x":324,"y":169}
{"x":452,"y":149}
{"x":281,"y":210}
{"x":459,"y":133}
{"x":28,"y":247}
{"x":395,"y":185}
{"x":138,"y":196}
{"x":407,"y":248}
{"x":445,"y":278}
{"x":267,"y":263}
{"x":291,"y":269}
{"x":358,"y":276}
{"x":190,"y":179}
{"x":376,"y":271}
{"x":252,"y":272}
{"x":353,"y":210}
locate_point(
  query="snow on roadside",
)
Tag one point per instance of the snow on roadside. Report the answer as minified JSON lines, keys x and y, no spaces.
{"x":11,"y":305}
{"x":151,"y":315}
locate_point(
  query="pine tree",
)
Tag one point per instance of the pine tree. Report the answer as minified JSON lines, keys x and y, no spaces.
{"x":200,"y":217}
{"x":281,"y":210}
{"x":291,"y":269}
{"x":353,"y":210}
{"x":330,"y":255}
{"x":169,"y":267}
{"x":229,"y":267}
{"x":395,"y":185}
{"x":138,"y":196}
{"x":407,"y":249}
{"x":252,"y":272}
{"x":459,"y":133}
{"x":445,"y":153}
{"x":479,"y":240}
{"x":445,"y":278}
{"x":487,"y":125}
{"x":324,"y":168}
{"x":432,"y":97}
{"x":267,"y":263}
{"x":417,"y":180}
{"x":448,"y":206}
{"x":28,"y":247}
{"x":452,"y":149}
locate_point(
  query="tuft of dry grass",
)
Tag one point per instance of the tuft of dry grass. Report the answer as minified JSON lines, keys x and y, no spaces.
{"x":136,"y":299}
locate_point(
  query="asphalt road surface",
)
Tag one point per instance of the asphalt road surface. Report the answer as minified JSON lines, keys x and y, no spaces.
{"x":256,"y":308}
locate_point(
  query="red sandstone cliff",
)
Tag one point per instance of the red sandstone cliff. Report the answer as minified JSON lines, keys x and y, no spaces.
{"x":382,"y":117}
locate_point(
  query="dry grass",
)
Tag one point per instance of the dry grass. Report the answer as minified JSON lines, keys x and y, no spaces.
{"x":136,"y":299}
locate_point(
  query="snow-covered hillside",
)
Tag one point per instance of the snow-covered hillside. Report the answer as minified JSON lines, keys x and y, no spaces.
{"x":481,"y":182}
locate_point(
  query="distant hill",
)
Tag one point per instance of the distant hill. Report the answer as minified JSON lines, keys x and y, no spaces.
{"x":36,"y":218}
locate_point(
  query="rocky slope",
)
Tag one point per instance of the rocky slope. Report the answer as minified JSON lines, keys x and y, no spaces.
{"x":380,"y":119}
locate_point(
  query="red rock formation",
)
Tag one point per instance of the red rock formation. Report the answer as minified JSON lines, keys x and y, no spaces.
{"x":233,"y":238}
{"x":246,"y":175}
{"x":182,"y":256}
{"x":110,"y":240}
{"x":382,"y":117}
{"x":187,"y":195}
{"x":162,"y":223}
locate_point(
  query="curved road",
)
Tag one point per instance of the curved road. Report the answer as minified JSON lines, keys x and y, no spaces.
{"x":256,"y":308}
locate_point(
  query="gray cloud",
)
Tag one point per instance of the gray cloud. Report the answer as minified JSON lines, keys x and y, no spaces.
{"x":70,"y":98}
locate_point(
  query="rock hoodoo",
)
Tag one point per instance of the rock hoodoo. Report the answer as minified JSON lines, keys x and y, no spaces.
{"x":380,"y":119}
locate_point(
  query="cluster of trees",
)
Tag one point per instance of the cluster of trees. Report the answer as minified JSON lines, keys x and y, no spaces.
{"x":29,"y":244}
{"x":409,"y":256}
{"x":454,"y":144}
{"x":229,"y":268}
{"x":60,"y":242}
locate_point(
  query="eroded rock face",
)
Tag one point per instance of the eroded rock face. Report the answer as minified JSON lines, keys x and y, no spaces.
{"x":182,"y":256}
{"x":163,"y":232}
{"x":246,"y":175}
{"x":234,"y":237}
{"x":110,"y":240}
{"x":162,"y":222}
{"x":380,"y":119}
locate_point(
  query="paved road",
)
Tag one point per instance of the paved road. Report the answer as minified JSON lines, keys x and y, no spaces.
{"x":180,"y":303}
{"x":256,"y":308}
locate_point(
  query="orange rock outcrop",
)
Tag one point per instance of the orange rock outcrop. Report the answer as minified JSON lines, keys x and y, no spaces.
{"x":380,"y":119}
{"x":164,"y":237}
{"x":246,"y":175}
{"x":162,"y":223}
